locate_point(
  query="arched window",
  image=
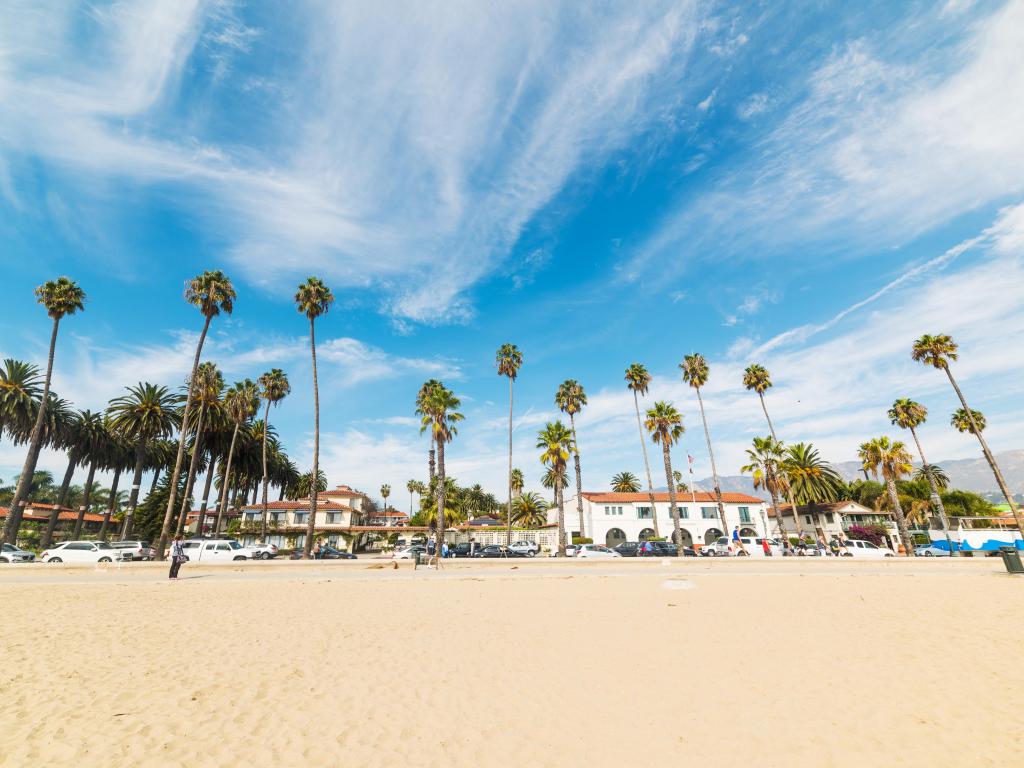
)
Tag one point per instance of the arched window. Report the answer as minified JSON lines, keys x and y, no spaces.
{"x":646,"y":533}
{"x":614,"y":537}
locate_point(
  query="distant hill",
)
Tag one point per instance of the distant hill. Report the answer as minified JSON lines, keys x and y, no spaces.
{"x":965,"y":474}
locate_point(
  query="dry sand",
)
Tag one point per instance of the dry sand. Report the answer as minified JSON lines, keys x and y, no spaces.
{"x":784,"y":663}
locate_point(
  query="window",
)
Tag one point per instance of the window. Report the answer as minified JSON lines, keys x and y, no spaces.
{"x":277,"y":517}
{"x":78,"y":545}
{"x":334,"y":517}
{"x":301,"y":517}
{"x":250,"y":516}
{"x":684,"y":513}
{"x":807,"y":519}
{"x":744,"y":514}
{"x":828,"y":517}
{"x":613,"y":510}
{"x":643,"y":513}
{"x":223,"y":548}
{"x":709,"y":513}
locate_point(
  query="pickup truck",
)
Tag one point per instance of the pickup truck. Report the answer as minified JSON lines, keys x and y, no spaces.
{"x":215,"y":551}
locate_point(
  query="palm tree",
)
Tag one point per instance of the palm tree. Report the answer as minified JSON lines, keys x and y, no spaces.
{"x":274,"y":388}
{"x":809,"y":478}
{"x":117,"y":456}
{"x":907,"y":414}
{"x":518,"y":483}
{"x":20,"y":389}
{"x":421,"y":396}
{"x":895,"y":462}
{"x":385,"y":491}
{"x":147,"y":413}
{"x":61,"y":297}
{"x":665,"y":424}
{"x":313,"y":299}
{"x":627,"y":482}
{"x":440,"y":416}
{"x":637,"y":381}
{"x":207,"y":392}
{"x":974,"y":423}
{"x":570,"y":398}
{"x":757,"y":379}
{"x":529,"y":510}
{"x":937,"y":351}
{"x":84,"y":440}
{"x":241,"y":402}
{"x":556,"y":440}
{"x":766,"y":459}
{"x":934,"y":474}
{"x":695,"y":373}
{"x":412,"y":486}
{"x":211,"y":293}
{"x":509,"y":360}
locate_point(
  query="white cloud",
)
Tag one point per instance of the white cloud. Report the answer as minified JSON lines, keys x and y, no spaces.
{"x":754,"y":106}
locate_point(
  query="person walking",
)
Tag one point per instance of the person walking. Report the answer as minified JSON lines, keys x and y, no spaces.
{"x":177,"y":556}
{"x":766,"y":547}
{"x":737,"y":543}
{"x":822,"y":546}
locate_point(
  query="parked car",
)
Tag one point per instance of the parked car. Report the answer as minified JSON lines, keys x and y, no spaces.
{"x":596,"y":552}
{"x":12,"y":554}
{"x":930,"y":550}
{"x":497,"y":550}
{"x":628,"y":549}
{"x":215,"y":551}
{"x":465,"y":549}
{"x":866,"y":550}
{"x":135,"y":550}
{"x":408,"y":553}
{"x":263,"y":551}
{"x":333,"y":553}
{"x":83,"y":552}
{"x":570,"y":550}
{"x":657,"y":549}
{"x":528,"y":548}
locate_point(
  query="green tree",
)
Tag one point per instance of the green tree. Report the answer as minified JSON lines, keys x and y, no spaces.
{"x":570,"y":398}
{"x":385,"y":491}
{"x":274,"y":388}
{"x":207,"y":392}
{"x":313,"y":299}
{"x":626,"y":482}
{"x":893,"y":460}
{"x":421,"y":396}
{"x":973,"y":424}
{"x":518,"y":483}
{"x":85,"y":440}
{"x":20,"y":390}
{"x":637,"y":381}
{"x":695,"y":373}
{"x":60,"y":297}
{"x":765,"y":462}
{"x":529,"y":510}
{"x":665,"y":424}
{"x":509,"y":360}
{"x":241,"y":401}
{"x":556,"y":441}
{"x":938,"y":351}
{"x":211,"y":293}
{"x":440,"y":415}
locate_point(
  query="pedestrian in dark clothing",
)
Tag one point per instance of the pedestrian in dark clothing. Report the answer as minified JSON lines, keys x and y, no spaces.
{"x":177,"y":557}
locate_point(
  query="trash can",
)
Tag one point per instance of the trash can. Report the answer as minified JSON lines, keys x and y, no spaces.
{"x":1011,"y":559}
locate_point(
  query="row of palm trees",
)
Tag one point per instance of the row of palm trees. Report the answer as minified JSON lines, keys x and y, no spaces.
{"x":140,"y":423}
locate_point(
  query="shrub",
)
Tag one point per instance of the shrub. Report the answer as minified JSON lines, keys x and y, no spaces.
{"x":582,"y":540}
{"x":873,"y":533}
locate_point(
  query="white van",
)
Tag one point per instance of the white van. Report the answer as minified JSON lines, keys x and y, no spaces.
{"x":723,"y":547}
{"x":215,"y":551}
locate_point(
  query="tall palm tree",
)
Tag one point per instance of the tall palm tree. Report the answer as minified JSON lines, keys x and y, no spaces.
{"x":207,"y":392}
{"x":895,"y":462}
{"x":385,"y":491}
{"x":211,"y":293}
{"x":766,"y":458}
{"x":313,"y":299}
{"x":637,"y":381}
{"x":908,"y":414}
{"x":570,"y":398}
{"x":665,"y":424}
{"x":556,"y":440}
{"x":20,"y":389}
{"x":84,"y":440}
{"x":147,"y":413}
{"x":61,"y":297}
{"x":441,"y":417}
{"x":627,"y":482}
{"x":529,"y":510}
{"x":421,"y":396}
{"x":509,"y":360}
{"x":412,"y":486}
{"x":809,"y":478}
{"x":938,"y":351}
{"x":695,"y":373}
{"x":757,"y":379}
{"x":274,"y":388}
{"x":117,"y":456}
{"x":518,"y":483}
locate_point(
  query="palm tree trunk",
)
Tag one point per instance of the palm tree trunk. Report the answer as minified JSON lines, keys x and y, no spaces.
{"x":988,"y":455}
{"x":110,"y":504}
{"x":677,"y":536}
{"x":156,"y":479}
{"x":314,"y":490}
{"x":193,"y":468}
{"x":226,"y":485}
{"x":936,"y":498}
{"x":647,"y":466}
{"x":430,"y":459}
{"x":263,"y":514}
{"x":789,"y":491}
{"x":783,"y":533}
{"x":13,"y":522}
{"x":62,"y":498}
{"x":85,"y":501}
{"x":508,"y":529}
{"x":165,"y":529}
{"x":561,"y":517}
{"x":206,"y":493}
{"x":714,"y":470}
{"x":133,"y":499}
{"x":901,"y":521}
{"x":440,"y":499}
{"x":579,"y":479}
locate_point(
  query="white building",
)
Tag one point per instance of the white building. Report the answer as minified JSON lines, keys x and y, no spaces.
{"x":339,"y":517}
{"x":612,"y":518}
{"x":834,"y":520}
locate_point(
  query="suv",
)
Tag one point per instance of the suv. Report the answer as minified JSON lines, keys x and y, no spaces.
{"x":12,"y":554}
{"x":465,"y":549}
{"x":657,"y":549}
{"x":263,"y":551}
{"x":134,"y":550}
{"x":215,"y":550}
{"x":528,"y":548}
{"x":628,"y":549}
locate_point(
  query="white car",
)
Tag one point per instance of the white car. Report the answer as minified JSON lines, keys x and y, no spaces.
{"x":263,"y":551}
{"x":528,"y":548}
{"x":83,"y":552}
{"x":596,"y":552}
{"x":409,"y":552}
{"x":930,"y":551}
{"x":215,"y":551}
{"x":866,"y":550}
{"x":12,"y":554}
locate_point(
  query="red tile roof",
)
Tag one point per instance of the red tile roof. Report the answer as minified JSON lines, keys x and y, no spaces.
{"x":831,"y":506}
{"x":681,"y":497}
{"x":341,"y":490}
{"x":65,"y":515}
{"x":331,"y":506}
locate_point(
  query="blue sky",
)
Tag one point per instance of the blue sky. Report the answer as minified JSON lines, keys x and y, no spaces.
{"x":811,"y":187}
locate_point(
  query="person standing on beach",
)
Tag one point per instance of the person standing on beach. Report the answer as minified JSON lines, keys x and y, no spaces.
{"x":766,"y":548}
{"x":177,"y":556}
{"x":737,"y":543}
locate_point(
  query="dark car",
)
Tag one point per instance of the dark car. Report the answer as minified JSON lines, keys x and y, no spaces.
{"x":628,"y":548}
{"x":465,"y":549}
{"x":330,"y":553}
{"x":495,"y":550}
{"x":658,"y":549}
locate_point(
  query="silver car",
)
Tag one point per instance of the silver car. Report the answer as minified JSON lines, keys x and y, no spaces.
{"x":13,"y":554}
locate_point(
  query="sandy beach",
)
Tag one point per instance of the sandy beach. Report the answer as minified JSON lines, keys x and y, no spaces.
{"x":540,"y":663}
